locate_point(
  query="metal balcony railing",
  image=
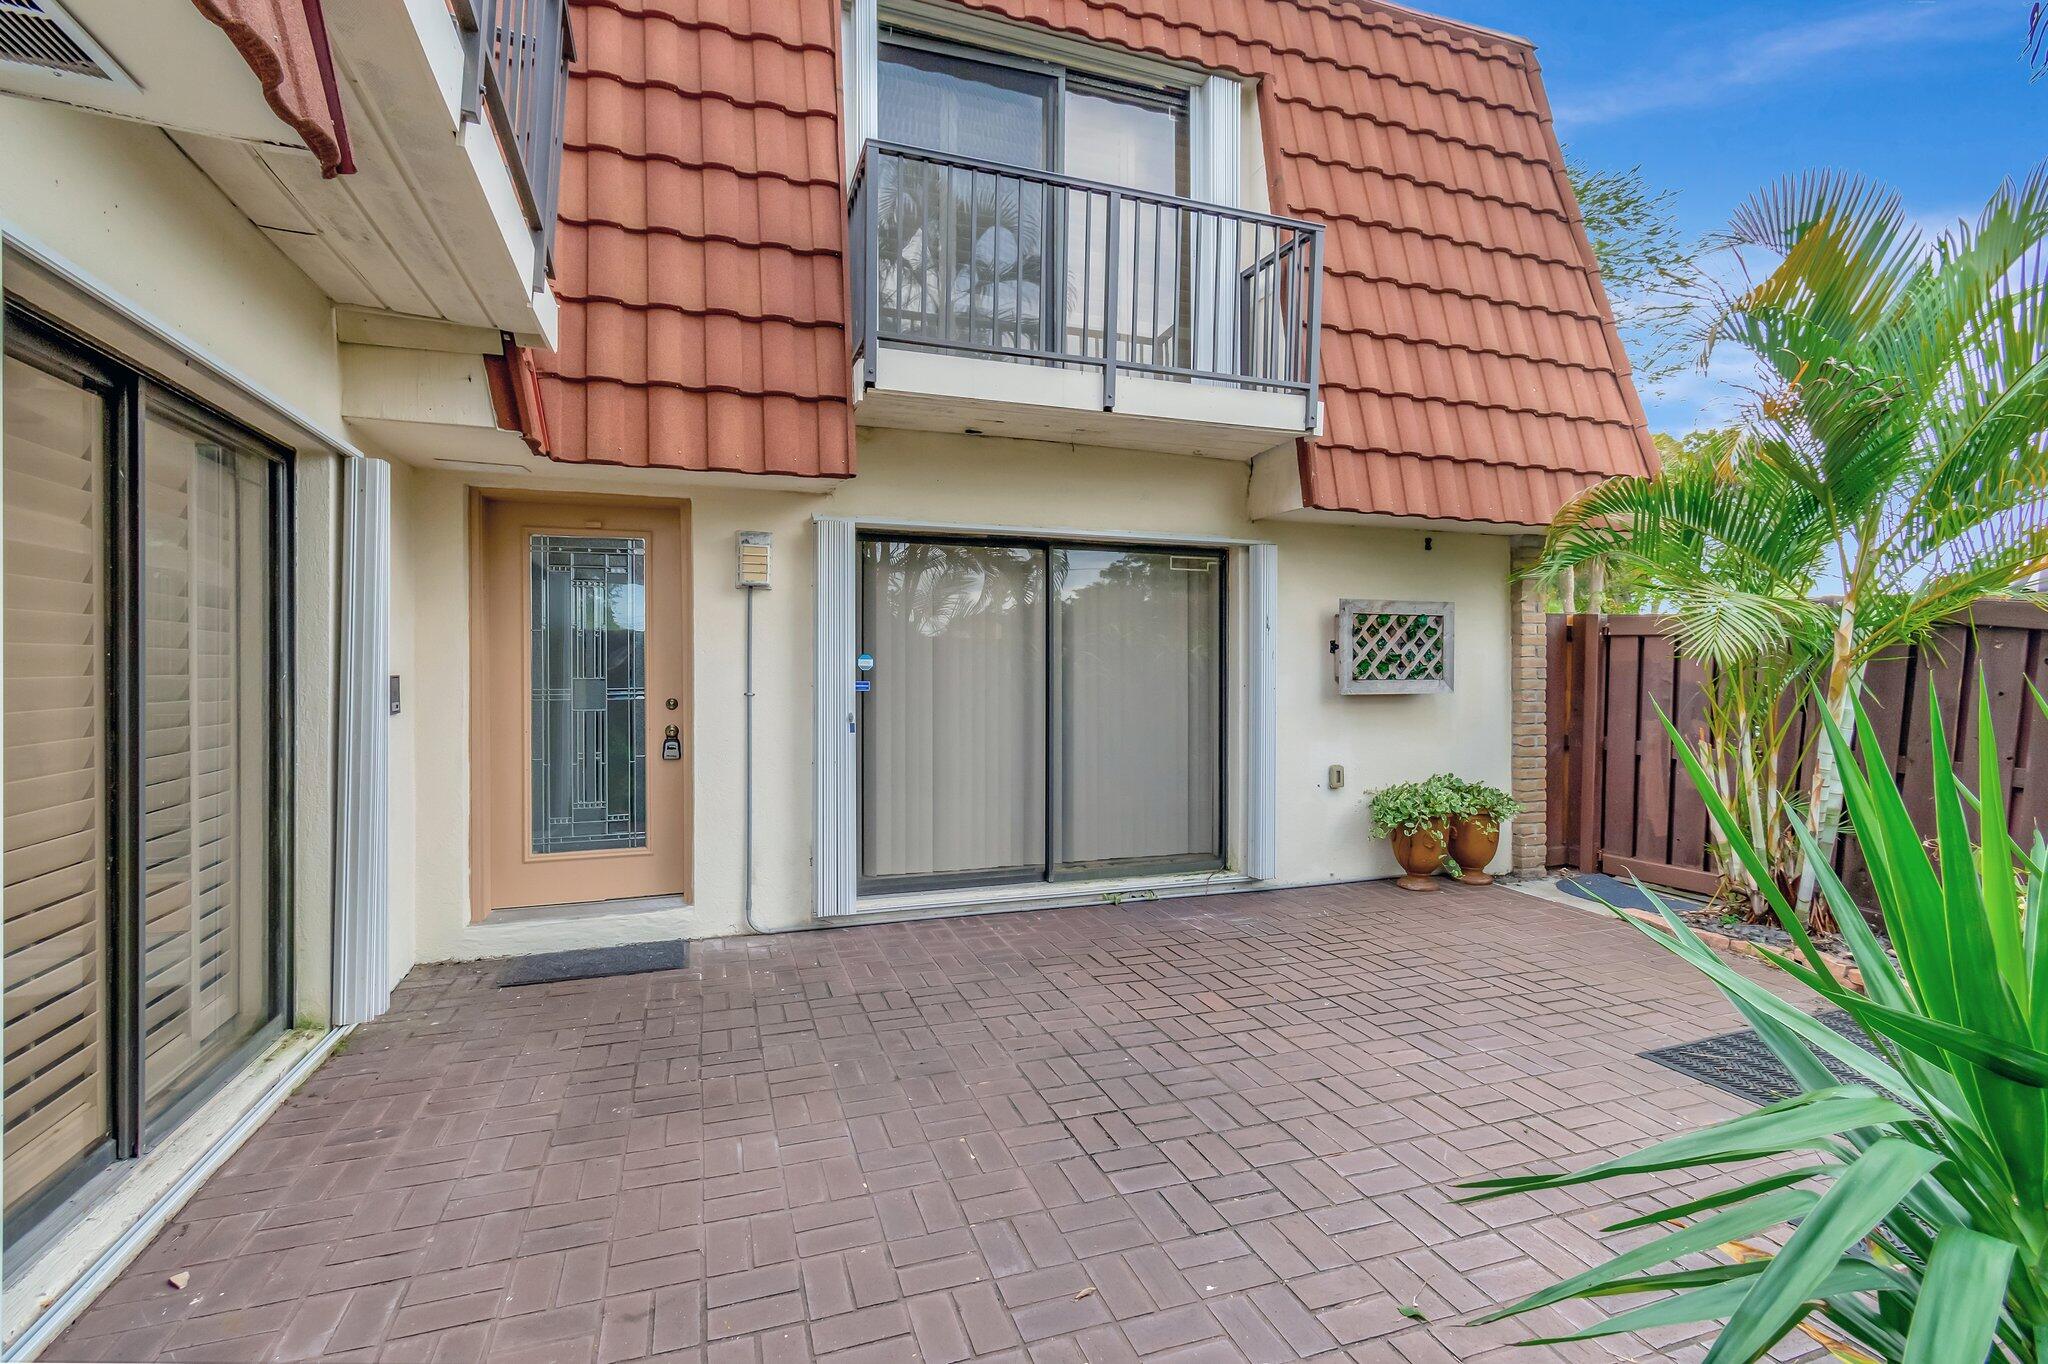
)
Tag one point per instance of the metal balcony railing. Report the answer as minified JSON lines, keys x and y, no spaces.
{"x":978,"y":258}
{"x":516,"y":70}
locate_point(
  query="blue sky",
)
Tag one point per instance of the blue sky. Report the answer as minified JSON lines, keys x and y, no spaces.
{"x":1715,"y":100}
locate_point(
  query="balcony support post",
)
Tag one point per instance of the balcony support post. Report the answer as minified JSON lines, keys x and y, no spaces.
{"x":1110,"y":274}
{"x":1311,"y":368}
{"x":870,"y":302}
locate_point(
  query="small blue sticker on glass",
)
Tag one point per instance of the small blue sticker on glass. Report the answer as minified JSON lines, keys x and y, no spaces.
{"x":864,"y":661}
{"x":863,"y":685}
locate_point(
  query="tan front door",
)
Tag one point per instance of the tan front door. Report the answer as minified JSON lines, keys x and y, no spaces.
{"x":581,"y":749}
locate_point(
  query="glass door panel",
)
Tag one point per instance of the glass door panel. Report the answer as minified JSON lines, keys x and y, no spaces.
{"x":963,"y":252}
{"x":208,"y":935}
{"x":953,"y":732}
{"x":1133,"y":138}
{"x":56,"y":897}
{"x":1138,"y":709}
{"x":589,"y":693}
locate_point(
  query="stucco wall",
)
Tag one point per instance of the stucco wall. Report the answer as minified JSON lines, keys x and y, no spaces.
{"x":122,"y":203}
{"x":909,"y":476}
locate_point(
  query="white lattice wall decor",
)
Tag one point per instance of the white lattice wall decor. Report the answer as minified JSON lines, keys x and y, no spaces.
{"x":1385,"y":647}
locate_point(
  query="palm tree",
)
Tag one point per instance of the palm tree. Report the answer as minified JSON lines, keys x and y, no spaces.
{"x":1732,"y":552}
{"x":1894,"y":448}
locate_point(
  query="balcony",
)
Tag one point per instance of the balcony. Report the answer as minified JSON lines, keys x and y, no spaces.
{"x":516,"y":56}
{"x":453,"y":109}
{"x":1003,"y":301}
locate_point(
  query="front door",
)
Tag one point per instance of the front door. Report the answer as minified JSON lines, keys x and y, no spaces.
{"x":582,"y":745}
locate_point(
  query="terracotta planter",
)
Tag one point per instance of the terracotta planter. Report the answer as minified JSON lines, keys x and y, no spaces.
{"x":1420,"y":854}
{"x":1472,"y":847}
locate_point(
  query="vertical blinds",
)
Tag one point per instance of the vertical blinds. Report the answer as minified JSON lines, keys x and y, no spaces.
{"x":55,"y":792}
{"x":974,"y":732}
{"x":205,"y":986}
{"x":953,"y":762}
{"x":1137,"y":689}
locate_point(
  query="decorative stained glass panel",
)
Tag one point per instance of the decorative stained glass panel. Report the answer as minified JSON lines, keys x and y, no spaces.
{"x":1393,"y":646}
{"x":589,"y":693}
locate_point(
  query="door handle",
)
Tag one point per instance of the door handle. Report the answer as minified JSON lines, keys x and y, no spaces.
{"x":671,"y":745}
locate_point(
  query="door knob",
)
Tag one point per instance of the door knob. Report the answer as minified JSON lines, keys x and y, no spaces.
{"x":671,"y":745}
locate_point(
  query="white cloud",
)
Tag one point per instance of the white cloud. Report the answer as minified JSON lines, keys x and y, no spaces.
{"x":1702,"y":73}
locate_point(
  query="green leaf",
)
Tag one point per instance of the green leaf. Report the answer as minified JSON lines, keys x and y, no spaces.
{"x":1930,"y":1038}
{"x":1720,"y":1300}
{"x":1854,"y":1204}
{"x":1801,"y":1123}
{"x":1747,"y":1220}
{"x":1721,"y":1198}
{"x":1961,"y":1300}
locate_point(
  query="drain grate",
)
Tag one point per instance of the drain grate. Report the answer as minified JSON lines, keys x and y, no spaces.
{"x":1741,"y":1064}
{"x":590,"y":963}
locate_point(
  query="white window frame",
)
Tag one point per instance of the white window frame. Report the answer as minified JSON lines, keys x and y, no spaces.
{"x":1250,"y":852}
{"x":1215,"y":101}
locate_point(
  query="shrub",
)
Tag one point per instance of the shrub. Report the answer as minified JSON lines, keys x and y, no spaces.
{"x":1917,"y":1198}
{"x":1409,"y":807}
{"x":1488,"y":806}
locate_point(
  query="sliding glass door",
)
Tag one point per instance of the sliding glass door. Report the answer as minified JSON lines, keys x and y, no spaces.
{"x":1038,"y":711}
{"x":146,"y":680}
{"x":1137,"y":690}
{"x":207,"y":944}
{"x":953,"y":769}
{"x":978,"y":258}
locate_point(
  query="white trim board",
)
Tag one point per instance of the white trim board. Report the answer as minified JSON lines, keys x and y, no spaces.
{"x":1216,"y":104}
{"x":997,"y":34}
{"x":1251,"y":854}
{"x":1046,"y":895}
{"x":89,"y":1255}
{"x":150,"y":343}
{"x":997,"y":528}
{"x":835,"y":851}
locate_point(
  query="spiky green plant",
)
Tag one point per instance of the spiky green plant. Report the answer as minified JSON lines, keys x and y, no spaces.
{"x":1910,"y":1208}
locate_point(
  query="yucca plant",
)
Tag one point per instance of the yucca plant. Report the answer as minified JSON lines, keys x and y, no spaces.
{"x":1904,"y":1216}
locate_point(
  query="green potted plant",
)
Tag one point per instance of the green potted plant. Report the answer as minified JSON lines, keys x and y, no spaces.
{"x":1474,"y":833}
{"x":1414,"y":816}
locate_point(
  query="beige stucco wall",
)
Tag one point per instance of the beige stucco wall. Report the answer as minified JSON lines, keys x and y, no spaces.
{"x":907,"y":476}
{"x":122,"y":203}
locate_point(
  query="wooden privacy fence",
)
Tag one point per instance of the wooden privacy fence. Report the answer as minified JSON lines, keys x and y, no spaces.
{"x":1620,"y":802}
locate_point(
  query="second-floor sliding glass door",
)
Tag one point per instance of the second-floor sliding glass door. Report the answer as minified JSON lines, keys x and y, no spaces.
{"x":978,"y":259}
{"x":964,"y":254}
{"x":1135,"y":139}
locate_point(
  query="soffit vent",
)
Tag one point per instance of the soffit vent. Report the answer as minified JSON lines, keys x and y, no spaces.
{"x":41,"y":34}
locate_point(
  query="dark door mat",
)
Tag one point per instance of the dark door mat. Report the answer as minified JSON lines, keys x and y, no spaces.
{"x":1741,"y":1064}
{"x":1601,"y":888}
{"x":590,"y":963}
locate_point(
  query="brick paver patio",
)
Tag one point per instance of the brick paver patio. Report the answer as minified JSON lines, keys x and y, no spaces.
{"x":1200,"y":1130}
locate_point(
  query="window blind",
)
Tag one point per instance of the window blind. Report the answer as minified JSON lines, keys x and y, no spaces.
{"x":55,"y":793}
{"x":204,"y":983}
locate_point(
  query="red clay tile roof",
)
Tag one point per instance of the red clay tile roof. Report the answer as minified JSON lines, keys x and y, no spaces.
{"x":1471,"y":367}
{"x":701,"y":248}
{"x":285,"y":44}
{"x":1471,"y":370}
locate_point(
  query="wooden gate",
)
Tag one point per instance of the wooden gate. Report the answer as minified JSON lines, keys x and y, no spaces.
{"x":1620,"y":801}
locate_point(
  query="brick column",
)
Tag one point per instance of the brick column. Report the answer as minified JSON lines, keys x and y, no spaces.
{"x":1529,"y":671}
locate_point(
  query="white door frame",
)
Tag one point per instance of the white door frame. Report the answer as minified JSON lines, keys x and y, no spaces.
{"x":1251,"y":852}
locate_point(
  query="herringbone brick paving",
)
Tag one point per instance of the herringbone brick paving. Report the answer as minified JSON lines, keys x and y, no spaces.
{"x":1218,"y":1129}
